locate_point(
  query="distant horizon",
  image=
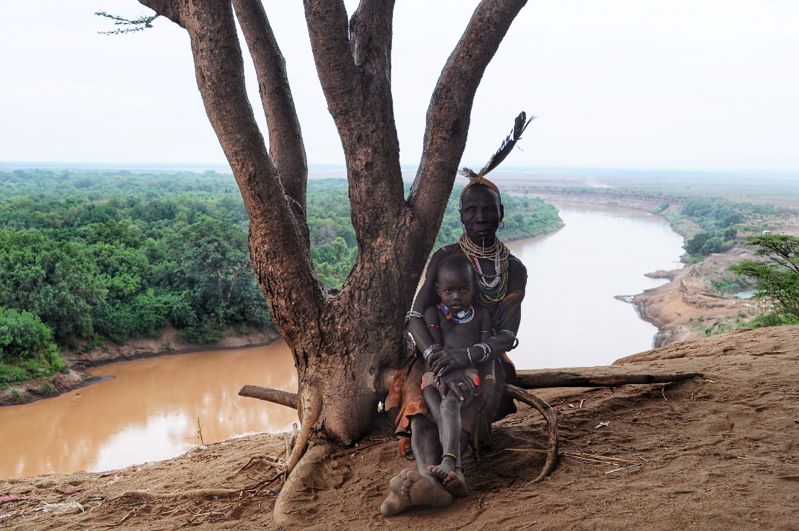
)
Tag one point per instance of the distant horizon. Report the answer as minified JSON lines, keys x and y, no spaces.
{"x":12,"y":165}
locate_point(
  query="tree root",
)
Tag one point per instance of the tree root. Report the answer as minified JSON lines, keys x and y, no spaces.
{"x":311,"y":411}
{"x":552,"y":426}
{"x":294,"y":492}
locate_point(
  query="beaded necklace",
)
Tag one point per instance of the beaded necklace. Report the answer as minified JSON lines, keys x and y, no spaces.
{"x":461,"y":317}
{"x":493,"y":288}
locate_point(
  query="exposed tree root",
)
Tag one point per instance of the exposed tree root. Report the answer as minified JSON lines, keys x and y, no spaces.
{"x":311,"y":411}
{"x":296,"y":489}
{"x":552,"y":426}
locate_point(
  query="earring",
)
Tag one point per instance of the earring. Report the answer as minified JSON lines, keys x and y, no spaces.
{"x":501,"y":224}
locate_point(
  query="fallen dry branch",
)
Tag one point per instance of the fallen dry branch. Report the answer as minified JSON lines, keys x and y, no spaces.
{"x":552,"y":426}
{"x":284,"y":398}
{"x":539,"y":379}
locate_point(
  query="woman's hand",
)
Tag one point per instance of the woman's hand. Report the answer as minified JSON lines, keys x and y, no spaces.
{"x":446,"y":360}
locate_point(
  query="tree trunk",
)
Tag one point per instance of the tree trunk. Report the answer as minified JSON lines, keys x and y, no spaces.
{"x":341,"y":340}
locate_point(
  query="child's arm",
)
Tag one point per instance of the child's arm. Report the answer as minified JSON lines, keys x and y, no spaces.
{"x":431,"y":318}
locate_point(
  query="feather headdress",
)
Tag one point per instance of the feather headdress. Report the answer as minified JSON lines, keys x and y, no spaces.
{"x":504,"y":150}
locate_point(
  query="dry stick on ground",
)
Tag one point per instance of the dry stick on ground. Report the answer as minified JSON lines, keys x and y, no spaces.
{"x":552,"y":426}
{"x":534,"y":379}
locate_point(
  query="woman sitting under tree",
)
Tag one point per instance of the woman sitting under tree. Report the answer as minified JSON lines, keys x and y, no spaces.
{"x":501,"y":280}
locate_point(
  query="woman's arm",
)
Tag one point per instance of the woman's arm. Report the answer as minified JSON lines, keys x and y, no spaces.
{"x":431,"y":319}
{"x":425,"y":297}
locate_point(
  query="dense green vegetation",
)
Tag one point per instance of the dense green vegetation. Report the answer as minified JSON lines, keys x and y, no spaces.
{"x":93,"y":256}
{"x":777,"y":277}
{"x":27,"y":349}
{"x":720,"y":223}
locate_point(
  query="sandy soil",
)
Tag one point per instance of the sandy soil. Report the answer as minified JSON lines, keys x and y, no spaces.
{"x":718,"y":451}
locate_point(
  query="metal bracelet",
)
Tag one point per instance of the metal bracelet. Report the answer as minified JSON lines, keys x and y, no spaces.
{"x":413,"y":313}
{"x":469,"y":355}
{"x":428,"y":351}
{"x":486,"y":351}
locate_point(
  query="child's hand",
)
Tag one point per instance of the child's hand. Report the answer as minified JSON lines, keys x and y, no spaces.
{"x":457,"y":382}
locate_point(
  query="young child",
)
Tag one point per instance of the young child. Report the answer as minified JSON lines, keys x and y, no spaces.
{"x":454,"y":322}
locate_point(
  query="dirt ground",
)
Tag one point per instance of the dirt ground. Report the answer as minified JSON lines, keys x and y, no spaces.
{"x":718,"y":451}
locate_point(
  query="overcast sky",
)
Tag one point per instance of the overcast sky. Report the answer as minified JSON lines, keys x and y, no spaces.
{"x":699,"y":84}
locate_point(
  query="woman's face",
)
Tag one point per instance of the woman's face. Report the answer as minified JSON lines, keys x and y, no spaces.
{"x":481,"y":213}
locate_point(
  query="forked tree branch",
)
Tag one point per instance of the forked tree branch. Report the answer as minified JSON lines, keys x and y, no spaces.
{"x":285,"y":136}
{"x":450,"y":107}
{"x":354,"y":66}
{"x":167,"y":8}
{"x":277,"y":241}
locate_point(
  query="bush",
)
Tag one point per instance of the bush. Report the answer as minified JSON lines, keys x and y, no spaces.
{"x":23,"y":336}
{"x":777,"y":275}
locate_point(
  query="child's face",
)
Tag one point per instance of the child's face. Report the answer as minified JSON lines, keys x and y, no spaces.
{"x":455,"y":289}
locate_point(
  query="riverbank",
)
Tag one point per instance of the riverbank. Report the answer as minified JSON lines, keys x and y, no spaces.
{"x":687,"y":307}
{"x":80,"y":360}
{"x":714,"y":452}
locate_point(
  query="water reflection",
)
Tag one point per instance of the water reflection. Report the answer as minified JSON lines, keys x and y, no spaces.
{"x":149,"y":411}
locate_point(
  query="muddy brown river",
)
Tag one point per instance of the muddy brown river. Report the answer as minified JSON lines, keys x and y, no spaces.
{"x":152,"y":409}
{"x":155,"y":408}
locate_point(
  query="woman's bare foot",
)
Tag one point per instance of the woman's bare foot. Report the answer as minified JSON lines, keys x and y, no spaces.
{"x":410,"y":487}
{"x":451,"y":478}
{"x":397,"y":500}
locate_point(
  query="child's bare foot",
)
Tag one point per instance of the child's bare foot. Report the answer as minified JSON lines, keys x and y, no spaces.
{"x":451,"y":478}
{"x":409,"y":488}
{"x":455,"y":483}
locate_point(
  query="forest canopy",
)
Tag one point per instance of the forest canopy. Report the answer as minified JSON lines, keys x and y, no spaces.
{"x":96,"y":255}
